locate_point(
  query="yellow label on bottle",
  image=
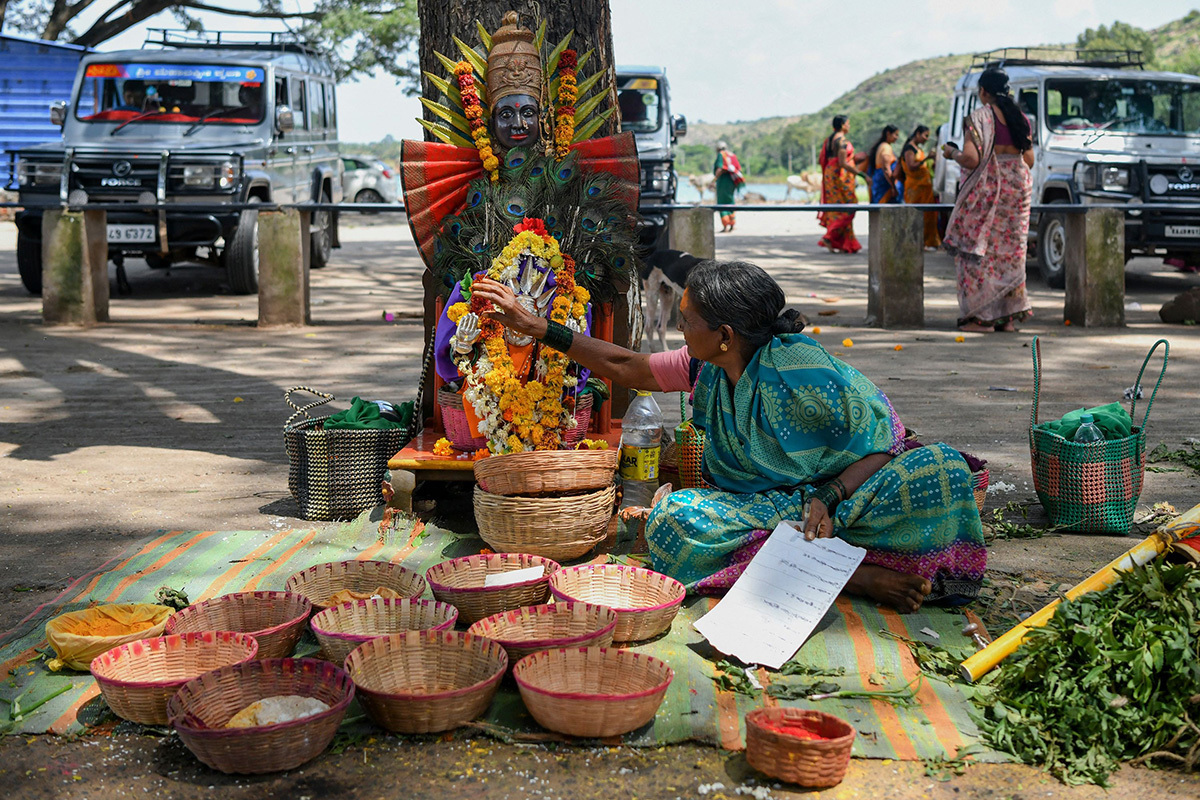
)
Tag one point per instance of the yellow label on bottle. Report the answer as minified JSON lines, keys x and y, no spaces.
{"x":639,"y":463}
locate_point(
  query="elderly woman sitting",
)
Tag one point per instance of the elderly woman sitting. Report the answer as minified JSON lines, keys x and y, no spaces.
{"x":790,"y":433}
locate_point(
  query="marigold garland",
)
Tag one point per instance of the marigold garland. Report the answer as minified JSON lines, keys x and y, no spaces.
{"x":564,"y":126}
{"x":473,"y":111}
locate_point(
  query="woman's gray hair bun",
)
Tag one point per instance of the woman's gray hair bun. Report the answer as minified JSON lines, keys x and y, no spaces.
{"x":790,"y":321}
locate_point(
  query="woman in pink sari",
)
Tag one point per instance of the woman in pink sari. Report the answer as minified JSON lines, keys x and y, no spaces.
{"x":989,"y":227}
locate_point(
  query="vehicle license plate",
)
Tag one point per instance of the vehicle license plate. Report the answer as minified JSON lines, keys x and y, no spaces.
{"x":1184,"y":230}
{"x":130,"y":233}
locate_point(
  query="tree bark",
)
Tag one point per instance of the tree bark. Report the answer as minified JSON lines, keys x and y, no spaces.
{"x":441,"y":20}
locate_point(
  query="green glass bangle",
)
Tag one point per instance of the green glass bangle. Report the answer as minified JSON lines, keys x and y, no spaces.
{"x":827,"y":495}
{"x":558,"y":336}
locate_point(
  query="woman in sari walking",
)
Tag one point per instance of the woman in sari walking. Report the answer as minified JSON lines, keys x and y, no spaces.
{"x":918,"y":183}
{"x":729,"y":179}
{"x":989,"y":227}
{"x":838,"y":173}
{"x":881,"y":164}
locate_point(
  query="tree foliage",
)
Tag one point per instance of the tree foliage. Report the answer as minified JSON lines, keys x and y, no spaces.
{"x":358,"y":36}
{"x":1118,"y":36}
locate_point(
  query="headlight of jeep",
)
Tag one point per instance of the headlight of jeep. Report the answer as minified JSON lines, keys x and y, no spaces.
{"x":33,"y":173}
{"x":226,"y":174}
{"x":198,"y":175}
{"x":1114,"y":179}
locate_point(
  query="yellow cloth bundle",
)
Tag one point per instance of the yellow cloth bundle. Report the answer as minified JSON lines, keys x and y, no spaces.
{"x":79,"y":636}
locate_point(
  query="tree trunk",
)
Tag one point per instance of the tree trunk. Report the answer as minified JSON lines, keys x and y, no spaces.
{"x":441,"y":20}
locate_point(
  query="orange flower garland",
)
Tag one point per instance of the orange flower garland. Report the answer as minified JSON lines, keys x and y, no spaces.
{"x":473,"y":111}
{"x":564,"y":126}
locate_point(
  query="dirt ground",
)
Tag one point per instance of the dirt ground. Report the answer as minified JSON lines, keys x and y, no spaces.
{"x":171,"y":417}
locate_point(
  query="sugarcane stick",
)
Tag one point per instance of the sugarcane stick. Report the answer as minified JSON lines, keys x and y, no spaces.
{"x":1154,"y":545}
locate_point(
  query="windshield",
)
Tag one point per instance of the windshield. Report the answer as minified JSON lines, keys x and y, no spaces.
{"x":638,"y":100}
{"x":183,"y":93}
{"x":1123,"y":106}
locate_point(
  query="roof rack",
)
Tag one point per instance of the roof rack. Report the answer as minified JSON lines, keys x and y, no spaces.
{"x":1056,"y":56}
{"x":281,"y":41}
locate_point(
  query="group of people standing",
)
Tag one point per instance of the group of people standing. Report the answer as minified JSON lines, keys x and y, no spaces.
{"x":988,"y":228}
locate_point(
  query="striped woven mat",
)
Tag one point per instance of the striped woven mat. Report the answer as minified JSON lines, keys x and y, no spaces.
{"x":209,"y":563}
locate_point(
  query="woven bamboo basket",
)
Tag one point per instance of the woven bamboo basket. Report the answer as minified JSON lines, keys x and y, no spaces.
{"x":454,"y":420}
{"x":547,"y":471}
{"x":592,"y":691}
{"x":138,"y":678}
{"x":460,"y":582}
{"x":342,"y":628}
{"x":76,"y":650}
{"x":320,"y":581}
{"x":979,"y":486}
{"x":814,"y":763}
{"x":548,"y":627}
{"x":275,"y":619}
{"x":560,"y":528}
{"x":426,"y":681}
{"x":200,"y":710}
{"x":646,"y":601}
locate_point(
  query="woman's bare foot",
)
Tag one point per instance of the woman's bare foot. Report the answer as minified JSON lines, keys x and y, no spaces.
{"x":900,"y":590}
{"x":1008,"y":327}
{"x":971,"y":327}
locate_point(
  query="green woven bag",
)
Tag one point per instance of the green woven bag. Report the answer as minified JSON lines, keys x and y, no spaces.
{"x":1092,"y":487}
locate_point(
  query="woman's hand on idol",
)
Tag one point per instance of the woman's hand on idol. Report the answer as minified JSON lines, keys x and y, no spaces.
{"x":507,"y":309}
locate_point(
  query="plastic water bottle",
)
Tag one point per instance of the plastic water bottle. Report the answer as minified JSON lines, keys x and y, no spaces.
{"x":640,"y":439}
{"x":1088,"y":432}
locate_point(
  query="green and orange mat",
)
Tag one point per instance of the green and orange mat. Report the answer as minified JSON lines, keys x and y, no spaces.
{"x":852,"y":641}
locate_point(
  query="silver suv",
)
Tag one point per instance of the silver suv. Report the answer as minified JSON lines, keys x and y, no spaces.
{"x":1105,"y":131}
{"x":195,"y":122}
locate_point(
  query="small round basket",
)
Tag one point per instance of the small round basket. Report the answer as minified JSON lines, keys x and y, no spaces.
{"x":592,"y":691}
{"x":560,"y":528}
{"x":138,"y":678}
{"x":426,"y":681}
{"x":645,"y":601}
{"x":275,"y":619}
{"x":548,"y":627}
{"x":320,"y":581}
{"x":979,"y":486}
{"x":342,"y":628}
{"x":454,"y":420}
{"x":75,"y":646}
{"x":816,"y":763}
{"x":547,"y":471}
{"x":461,"y":583}
{"x":201,"y":709}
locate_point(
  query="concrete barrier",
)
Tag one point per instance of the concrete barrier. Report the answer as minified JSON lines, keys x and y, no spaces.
{"x":896,"y":268}
{"x":1095,"y":268}
{"x":691,"y":230}
{"x":283,"y":262}
{"x":74,"y":267}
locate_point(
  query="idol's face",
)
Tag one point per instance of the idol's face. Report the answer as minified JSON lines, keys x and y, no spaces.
{"x":515,"y":121}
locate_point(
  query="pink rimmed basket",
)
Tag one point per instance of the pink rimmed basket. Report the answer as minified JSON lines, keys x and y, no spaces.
{"x":426,"y":681}
{"x":320,"y":581}
{"x":645,"y":601}
{"x":592,"y":692}
{"x":275,"y":619}
{"x":813,"y":763}
{"x":460,"y":582}
{"x":342,"y":628}
{"x":138,"y":678}
{"x":201,"y":709}
{"x":549,"y":627}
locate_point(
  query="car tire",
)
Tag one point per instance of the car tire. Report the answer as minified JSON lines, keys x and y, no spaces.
{"x":368,"y":196}
{"x":159,"y":261}
{"x":29,"y":262}
{"x":321,"y":237}
{"x":241,"y":254}
{"x":1052,"y":248}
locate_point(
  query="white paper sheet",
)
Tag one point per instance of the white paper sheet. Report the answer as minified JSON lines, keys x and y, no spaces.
{"x":515,"y":576}
{"x":778,"y":601}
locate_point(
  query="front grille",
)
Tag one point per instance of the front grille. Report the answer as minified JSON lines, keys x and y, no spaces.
{"x":1169,"y":182}
{"x":114,"y":175}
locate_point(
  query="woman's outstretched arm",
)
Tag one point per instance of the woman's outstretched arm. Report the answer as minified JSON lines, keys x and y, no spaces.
{"x":607,"y":360}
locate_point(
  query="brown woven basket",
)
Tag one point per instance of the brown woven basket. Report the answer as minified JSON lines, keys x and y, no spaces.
{"x":138,"y":678}
{"x":645,"y":601}
{"x":426,"y":681}
{"x":455,"y":423}
{"x":592,"y":691}
{"x":275,"y":619}
{"x":814,"y":763}
{"x":320,"y":581}
{"x":200,"y":710}
{"x":548,"y":627}
{"x":547,"y":471}
{"x":560,"y":528}
{"x":459,"y":582}
{"x":342,"y":628}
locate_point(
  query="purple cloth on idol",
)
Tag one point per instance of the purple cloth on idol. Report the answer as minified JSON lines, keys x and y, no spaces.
{"x":445,"y":329}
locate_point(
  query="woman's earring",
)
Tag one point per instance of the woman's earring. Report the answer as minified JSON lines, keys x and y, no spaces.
{"x":724,"y":347}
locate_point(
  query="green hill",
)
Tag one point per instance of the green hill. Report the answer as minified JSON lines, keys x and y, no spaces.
{"x":916,"y":93}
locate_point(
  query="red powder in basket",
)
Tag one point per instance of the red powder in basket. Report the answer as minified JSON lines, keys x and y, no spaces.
{"x":798,"y":728}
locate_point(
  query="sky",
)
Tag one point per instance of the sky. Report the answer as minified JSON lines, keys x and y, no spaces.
{"x":730,"y":60}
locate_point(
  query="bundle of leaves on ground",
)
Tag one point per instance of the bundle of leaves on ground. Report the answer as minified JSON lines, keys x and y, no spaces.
{"x":1113,"y":677}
